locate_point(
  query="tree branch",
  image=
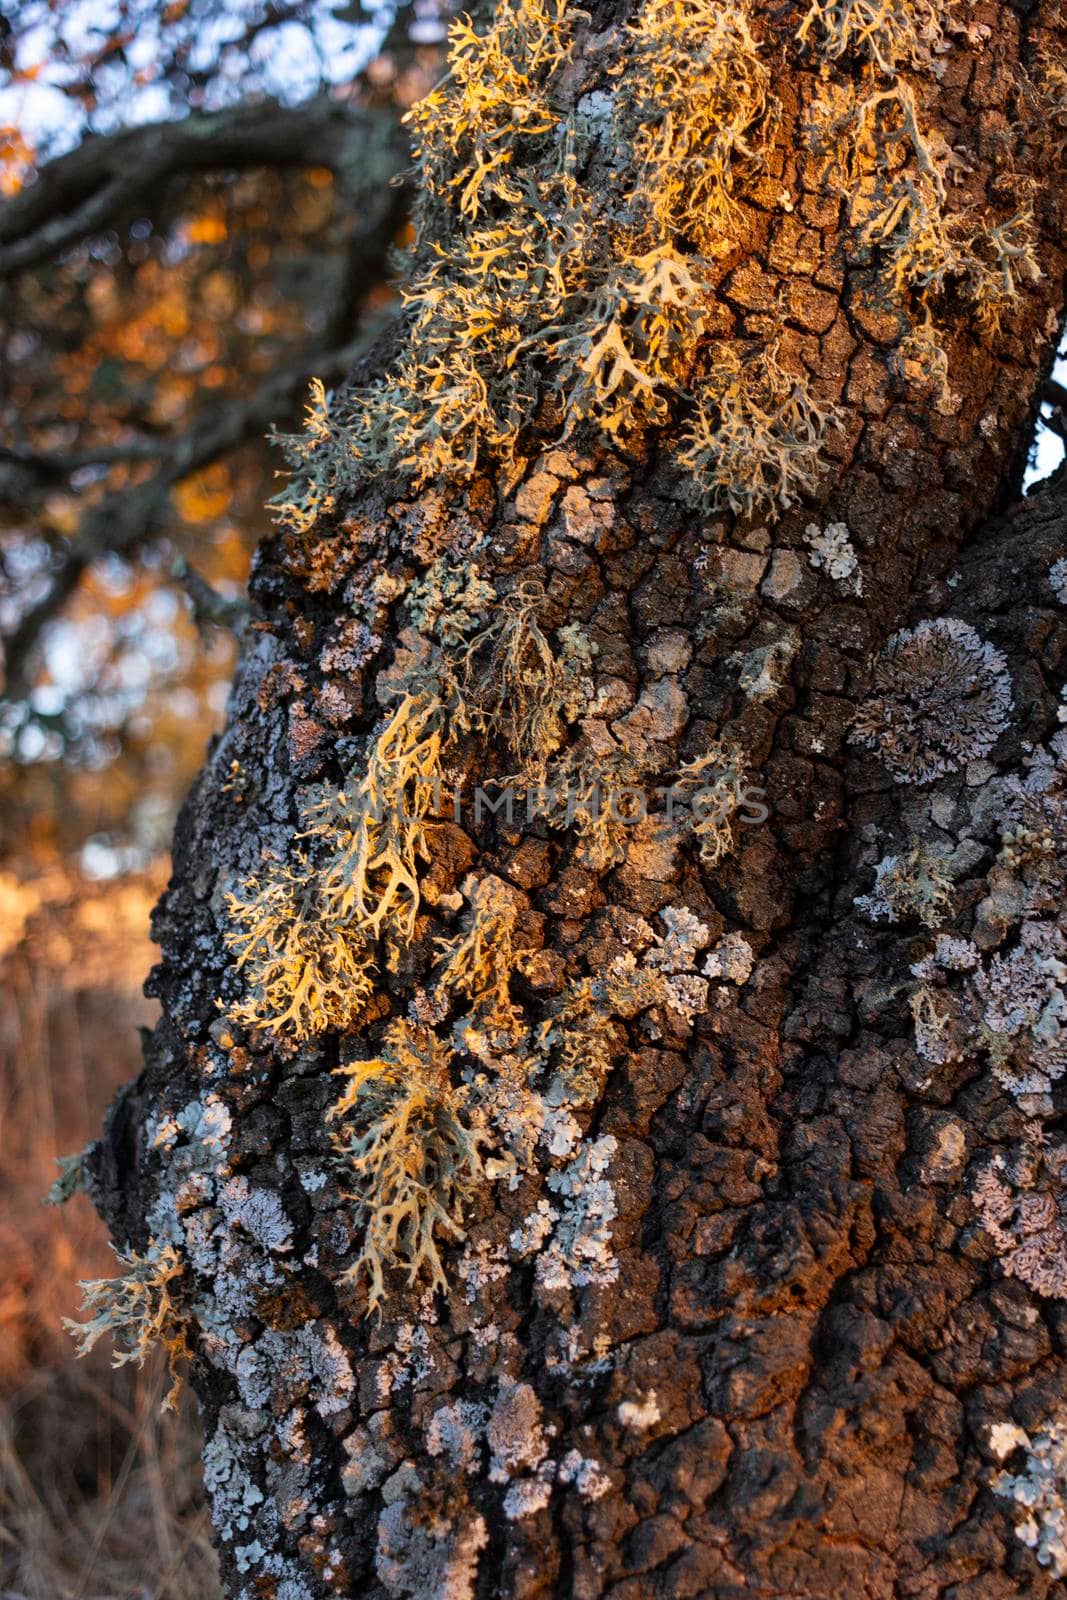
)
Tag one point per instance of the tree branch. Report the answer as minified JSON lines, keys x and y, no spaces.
{"x":88,"y":189}
{"x":210,"y":608}
{"x":364,"y":152}
{"x":1055,"y":395}
{"x":123,"y":521}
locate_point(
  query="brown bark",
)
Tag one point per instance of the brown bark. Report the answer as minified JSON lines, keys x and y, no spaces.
{"x":809,"y":1336}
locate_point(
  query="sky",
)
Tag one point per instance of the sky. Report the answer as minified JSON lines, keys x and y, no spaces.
{"x":289,"y":62}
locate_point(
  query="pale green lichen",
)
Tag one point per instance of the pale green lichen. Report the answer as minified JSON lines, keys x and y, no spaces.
{"x":71,"y":1178}
{"x":140,"y":1310}
{"x":755,"y":436}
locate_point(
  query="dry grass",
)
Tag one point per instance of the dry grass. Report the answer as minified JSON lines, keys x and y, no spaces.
{"x":100,"y":1495}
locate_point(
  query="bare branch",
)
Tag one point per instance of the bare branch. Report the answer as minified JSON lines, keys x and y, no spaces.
{"x":210,"y":608}
{"x":123,"y":521}
{"x":90,"y":188}
{"x":1054,"y":394}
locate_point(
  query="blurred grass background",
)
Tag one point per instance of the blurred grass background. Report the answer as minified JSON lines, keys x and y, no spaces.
{"x":143,"y":356}
{"x":100,"y":1494}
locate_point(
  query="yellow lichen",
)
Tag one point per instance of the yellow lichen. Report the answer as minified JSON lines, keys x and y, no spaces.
{"x":302,"y":973}
{"x":695,"y":92}
{"x":755,"y":435}
{"x":523,"y":683}
{"x":894,"y":171}
{"x":714,"y":786}
{"x":465,"y":131}
{"x":582,"y":1037}
{"x":303,"y":936}
{"x":890,"y":33}
{"x":410,"y":1155}
{"x":600,"y":797}
{"x":479,"y":962}
{"x":521,"y":291}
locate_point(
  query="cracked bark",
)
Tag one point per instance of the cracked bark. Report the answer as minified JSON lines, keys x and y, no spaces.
{"x":802,"y":1288}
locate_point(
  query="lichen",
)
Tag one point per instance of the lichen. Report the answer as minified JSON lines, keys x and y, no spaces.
{"x":1021,"y":1202}
{"x":142,"y":1308}
{"x":697,"y":94}
{"x":1012,"y":1006}
{"x":579,"y":1252}
{"x":518,"y":294}
{"x":422,"y":1550}
{"x":1038,"y":1487}
{"x":714,"y":787}
{"x":756,"y":435}
{"x":830,"y":550}
{"x":515,"y":1433}
{"x":478,"y":963}
{"x":409,"y":1154}
{"x":677,"y":947}
{"x":639,"y":1415}
{"x":890,"y":33}
{"x":71,"y":1178}
{"x":597,"y":793}
{"x":894,"y":173}
{"x":455,"y":1433}
{"x":941,"y":697}
{"x":580,"y":1037}
{"x":731,"y":959}
{"x":906,"y":886}
{"x":303,"y":934}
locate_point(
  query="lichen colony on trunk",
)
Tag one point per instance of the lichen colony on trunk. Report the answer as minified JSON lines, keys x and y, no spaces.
{"x":546,"y":1142}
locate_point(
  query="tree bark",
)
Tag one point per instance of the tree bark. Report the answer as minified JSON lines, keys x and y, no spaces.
{"x":738,"y":1325}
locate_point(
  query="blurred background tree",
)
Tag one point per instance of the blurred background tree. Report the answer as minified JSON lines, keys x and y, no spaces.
{"x":198,"y":202}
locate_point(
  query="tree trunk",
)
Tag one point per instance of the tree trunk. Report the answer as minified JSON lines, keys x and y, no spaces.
{"x":620,"y":1229}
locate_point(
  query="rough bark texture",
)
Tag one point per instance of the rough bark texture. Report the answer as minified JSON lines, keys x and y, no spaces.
{"x":788,"y":1388}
